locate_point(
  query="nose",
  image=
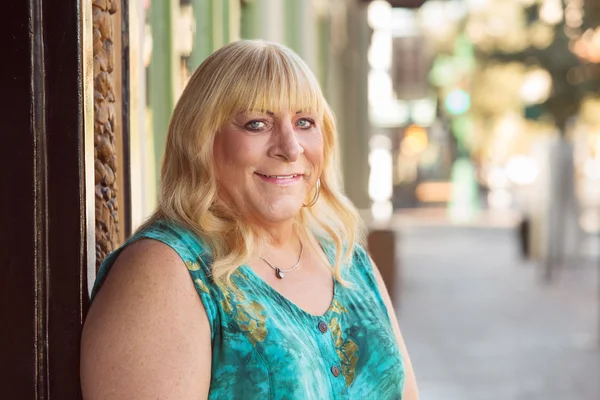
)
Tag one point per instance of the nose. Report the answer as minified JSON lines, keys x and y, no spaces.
{"x":286,"y":146}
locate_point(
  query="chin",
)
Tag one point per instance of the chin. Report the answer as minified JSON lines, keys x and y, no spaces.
{"x":279,"y":214}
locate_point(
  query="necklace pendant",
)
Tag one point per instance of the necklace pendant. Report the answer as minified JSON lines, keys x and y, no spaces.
{"x":278,"y":273}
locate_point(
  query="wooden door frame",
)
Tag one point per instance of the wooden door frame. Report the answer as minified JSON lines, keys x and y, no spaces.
{"x":47,"y":243}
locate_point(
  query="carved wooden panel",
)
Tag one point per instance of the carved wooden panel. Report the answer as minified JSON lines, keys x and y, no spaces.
{"x":105,"y":166}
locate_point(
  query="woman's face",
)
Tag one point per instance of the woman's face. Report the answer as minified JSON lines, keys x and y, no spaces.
{"x":267,"y":163}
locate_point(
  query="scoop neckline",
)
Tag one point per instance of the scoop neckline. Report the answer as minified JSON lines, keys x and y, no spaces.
{"x":257,"y":279}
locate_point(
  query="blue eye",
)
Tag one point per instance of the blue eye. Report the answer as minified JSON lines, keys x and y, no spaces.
{"x":255,"y":125}
{"x":305,"y":123}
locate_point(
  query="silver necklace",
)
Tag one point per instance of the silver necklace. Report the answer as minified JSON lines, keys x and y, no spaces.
{"x":280,"y":272}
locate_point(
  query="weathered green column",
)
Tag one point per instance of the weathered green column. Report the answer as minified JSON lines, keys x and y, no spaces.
{"x":215,"y":27}
{"x":294,"y":23}
{"x":323,"y":51}
{"x":203,"y":36}
{"x":249,"y":27}
{"x":161,"y":74}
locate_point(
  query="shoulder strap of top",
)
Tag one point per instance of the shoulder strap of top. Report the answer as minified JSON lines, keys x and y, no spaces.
{"x":362,"y":267}
{"x":193,"y":253}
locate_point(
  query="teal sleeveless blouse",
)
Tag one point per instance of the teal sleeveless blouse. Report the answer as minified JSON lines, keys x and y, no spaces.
{"x":266,"y":347}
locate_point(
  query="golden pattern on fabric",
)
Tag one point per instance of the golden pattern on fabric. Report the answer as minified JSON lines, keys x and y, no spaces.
{"x":192,"y":265}
{"x":337,"y":308}
{"x":250,"y":316}
{"x":349,"y":357}
{"x":251,"y":319}
{"x":346,"y":349}
{"x":226,"y":305}
{"x":201,"y":285}
{"x":336,"y":332}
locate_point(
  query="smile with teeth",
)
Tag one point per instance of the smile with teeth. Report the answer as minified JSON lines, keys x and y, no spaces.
{"x":280,"y":179}
{"x":280,"y":176}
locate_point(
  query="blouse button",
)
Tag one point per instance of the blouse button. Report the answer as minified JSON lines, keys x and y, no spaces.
{"x":335,"y":371}
{"x":322,"y":327}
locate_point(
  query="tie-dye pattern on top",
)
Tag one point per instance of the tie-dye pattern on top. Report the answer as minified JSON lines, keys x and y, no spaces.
{"x":266,"y":347}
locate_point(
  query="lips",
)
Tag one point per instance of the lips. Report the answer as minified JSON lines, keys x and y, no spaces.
{"x":279,"y":176}
{"x":287,"y":179}
{"x":288,"y":176}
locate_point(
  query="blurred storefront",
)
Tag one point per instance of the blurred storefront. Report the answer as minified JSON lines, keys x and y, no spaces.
{"x":489,"y":105}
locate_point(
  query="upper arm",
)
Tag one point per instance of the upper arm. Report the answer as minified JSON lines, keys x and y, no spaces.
{"x":147,"y":334}
{"x":411,"y":391}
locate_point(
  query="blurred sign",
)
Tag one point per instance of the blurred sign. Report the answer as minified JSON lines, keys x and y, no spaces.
{"x":434,"y":192}
{"x":403,"y":3}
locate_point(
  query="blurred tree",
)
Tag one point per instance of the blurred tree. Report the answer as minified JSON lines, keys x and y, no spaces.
{"x":574,"y":78}
{"x":561,"y":37}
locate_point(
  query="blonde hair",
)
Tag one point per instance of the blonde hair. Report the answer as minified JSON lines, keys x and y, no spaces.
{"x":246,"y":75}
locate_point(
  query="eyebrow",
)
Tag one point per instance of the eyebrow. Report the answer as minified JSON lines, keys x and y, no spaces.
{"x":271,"y":113}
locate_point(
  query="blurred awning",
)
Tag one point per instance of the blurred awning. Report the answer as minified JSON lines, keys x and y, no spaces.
{"x":403,"y":3}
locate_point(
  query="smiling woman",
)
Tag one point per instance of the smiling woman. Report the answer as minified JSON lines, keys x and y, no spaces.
{"x":282,"y":301}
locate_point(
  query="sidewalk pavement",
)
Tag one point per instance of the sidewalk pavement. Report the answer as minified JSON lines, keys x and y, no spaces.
{"x":480,"y":324}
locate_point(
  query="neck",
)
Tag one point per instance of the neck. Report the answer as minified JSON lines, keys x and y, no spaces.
{"x":281,"y":235}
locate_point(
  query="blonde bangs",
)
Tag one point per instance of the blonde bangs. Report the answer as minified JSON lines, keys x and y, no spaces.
{"x":269,"y":79}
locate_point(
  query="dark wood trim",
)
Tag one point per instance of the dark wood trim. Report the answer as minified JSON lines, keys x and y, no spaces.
{"x":40,"y":203}
{"x":125,"y":90}
{"x":66,"y":218}
{"x":18,"y":255}
{"x":43,"y":286}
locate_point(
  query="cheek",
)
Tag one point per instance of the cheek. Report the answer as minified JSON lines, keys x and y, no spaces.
{"x":314,"y":149}
{"x":233,"y":153}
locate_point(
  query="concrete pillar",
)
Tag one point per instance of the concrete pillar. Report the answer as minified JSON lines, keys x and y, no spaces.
{"x":353,"y":118}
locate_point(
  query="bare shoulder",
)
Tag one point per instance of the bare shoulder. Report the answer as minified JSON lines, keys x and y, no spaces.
{"x":147,"y":331}
{"x":144,"y":262}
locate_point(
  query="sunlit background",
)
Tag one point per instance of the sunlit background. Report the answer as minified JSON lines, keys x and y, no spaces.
{"x":470,"y":141}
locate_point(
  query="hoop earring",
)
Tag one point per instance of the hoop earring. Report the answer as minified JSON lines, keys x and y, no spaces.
{"x":316,"y":196}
